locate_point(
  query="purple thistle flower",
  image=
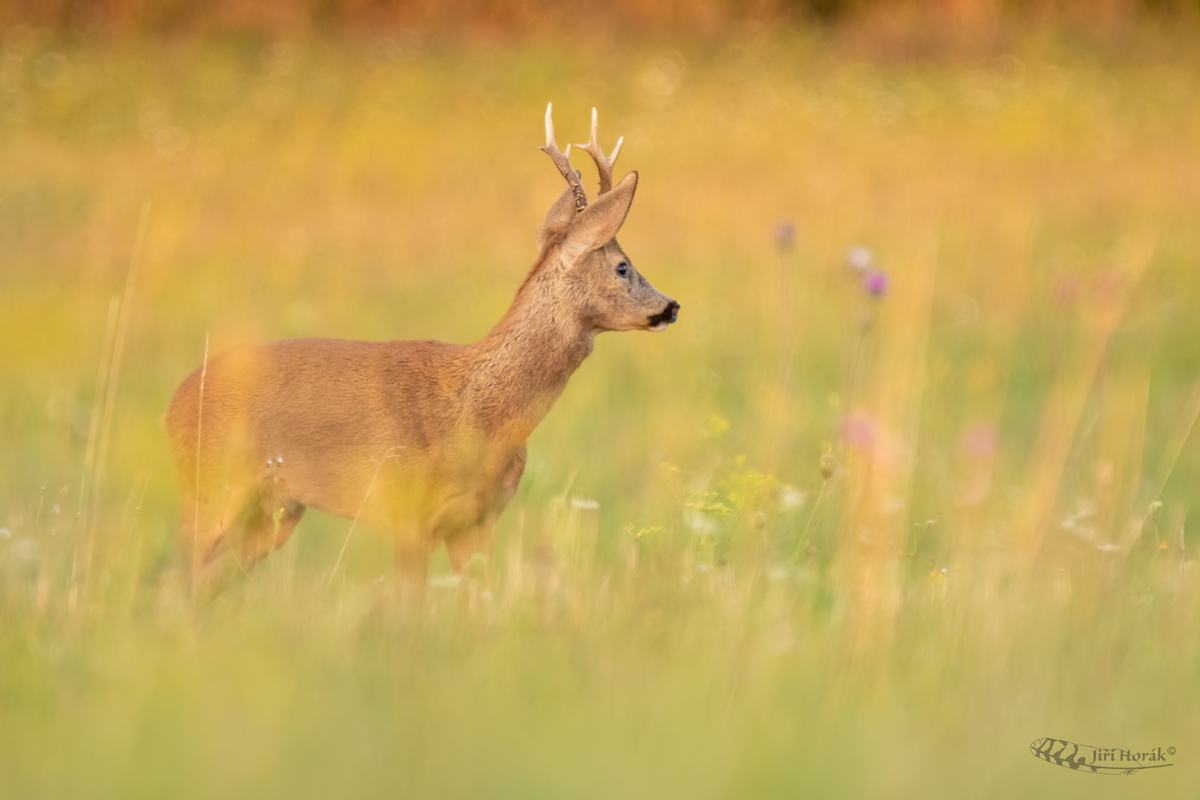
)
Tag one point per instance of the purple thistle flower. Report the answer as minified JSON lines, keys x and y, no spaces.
{"x":876,"y":283}
{"x":1066,"y":290}
{"x":785,"y":235}
{"x":858,"y":429}
{"x":979,"y":440}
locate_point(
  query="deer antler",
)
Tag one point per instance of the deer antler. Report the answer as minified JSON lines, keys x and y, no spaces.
{"x":604,"y":165}
{"x":563,"y":162}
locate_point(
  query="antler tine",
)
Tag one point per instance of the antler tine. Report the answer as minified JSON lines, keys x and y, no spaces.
{"x":604,"y":165}
{"x":563,"y":162}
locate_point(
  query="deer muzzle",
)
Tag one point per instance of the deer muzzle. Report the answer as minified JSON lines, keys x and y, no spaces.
{"x":662,"y":319}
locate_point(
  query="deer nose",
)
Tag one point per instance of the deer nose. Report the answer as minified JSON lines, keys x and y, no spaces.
{"x":665,"y":317}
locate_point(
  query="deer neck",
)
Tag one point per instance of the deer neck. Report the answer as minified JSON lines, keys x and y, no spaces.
{"x":524,"y":363}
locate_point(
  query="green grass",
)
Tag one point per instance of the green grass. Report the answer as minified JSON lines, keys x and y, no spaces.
{"x":1027,"y":383}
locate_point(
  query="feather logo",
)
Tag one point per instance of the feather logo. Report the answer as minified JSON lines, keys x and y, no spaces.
{"x":1099,"y":760}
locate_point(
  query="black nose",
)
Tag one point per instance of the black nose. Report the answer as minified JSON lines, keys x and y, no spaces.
{"x":668,"y":315}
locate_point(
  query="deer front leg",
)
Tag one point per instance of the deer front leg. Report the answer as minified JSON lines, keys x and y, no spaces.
{"x":413,"y":547}
{"x":465,"y":544}
{"x":412,"y":558}
{"x":478,"y":538}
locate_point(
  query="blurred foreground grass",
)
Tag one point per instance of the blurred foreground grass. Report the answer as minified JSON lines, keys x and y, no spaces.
{"x":679,"y":603}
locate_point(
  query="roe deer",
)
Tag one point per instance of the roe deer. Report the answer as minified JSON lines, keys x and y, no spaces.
{"x":421,"y":438}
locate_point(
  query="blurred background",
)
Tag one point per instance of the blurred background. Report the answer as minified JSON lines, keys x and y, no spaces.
{"x":943,"y":20}
{"x":904,"y":490}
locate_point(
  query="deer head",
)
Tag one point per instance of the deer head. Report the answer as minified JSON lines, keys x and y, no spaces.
{"x":577,"y":242}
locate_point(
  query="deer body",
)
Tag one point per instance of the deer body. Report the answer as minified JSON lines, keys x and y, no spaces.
{"x":421,"y":438}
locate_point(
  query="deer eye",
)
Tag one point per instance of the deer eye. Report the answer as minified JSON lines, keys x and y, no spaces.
{"x":622,"y":269}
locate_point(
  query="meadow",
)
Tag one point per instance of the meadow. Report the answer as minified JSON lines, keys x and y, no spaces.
{"x":854,"y":526}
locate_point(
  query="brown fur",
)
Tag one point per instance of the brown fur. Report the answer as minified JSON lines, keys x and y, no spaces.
{"x":421,"y":438}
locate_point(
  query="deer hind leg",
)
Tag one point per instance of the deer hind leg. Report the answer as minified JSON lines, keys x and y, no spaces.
{"x":268,"y":530}
{"x":232,"y":539}
{"x":207,"y":527}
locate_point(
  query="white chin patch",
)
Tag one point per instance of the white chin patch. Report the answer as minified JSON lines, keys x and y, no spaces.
{"x":662,"y":326}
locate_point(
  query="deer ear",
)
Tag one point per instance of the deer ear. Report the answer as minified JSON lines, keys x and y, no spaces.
{"x":597,"y":224}
{"x":557,"y":220}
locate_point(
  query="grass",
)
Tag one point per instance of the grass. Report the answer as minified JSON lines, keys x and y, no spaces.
{"x":670,"y":610}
